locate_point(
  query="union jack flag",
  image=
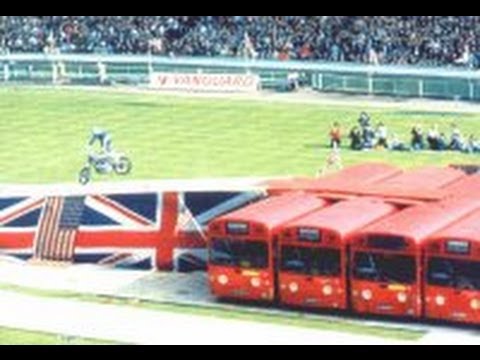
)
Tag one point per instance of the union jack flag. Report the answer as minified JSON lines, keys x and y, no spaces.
{"x":56,"y":221}
{"x":196,"y":210}
{"x":20,"y":214}
{"x":129,"y":212}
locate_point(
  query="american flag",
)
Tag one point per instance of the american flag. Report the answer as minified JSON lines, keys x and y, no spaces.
{"x":58,"y":228}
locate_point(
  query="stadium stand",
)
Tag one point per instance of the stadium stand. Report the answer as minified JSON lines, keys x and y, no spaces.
{"x":423,"y":40}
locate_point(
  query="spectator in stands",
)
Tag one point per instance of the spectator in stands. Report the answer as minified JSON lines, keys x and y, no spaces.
{"x":425,"y":40}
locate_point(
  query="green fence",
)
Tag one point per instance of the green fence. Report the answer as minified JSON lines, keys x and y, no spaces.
{"x":397,"y":81}
{"x":399,"y":86}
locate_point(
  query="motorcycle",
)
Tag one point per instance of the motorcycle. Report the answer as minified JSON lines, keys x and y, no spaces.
{"x":104,"y":164}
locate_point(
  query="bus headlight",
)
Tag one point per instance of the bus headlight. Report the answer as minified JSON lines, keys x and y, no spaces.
{"x":327,"y":290}
{"x":475,"y":304}
{"x":293,"y":287}
{"x":367,"y":295}
{"x":402,"y":297}
{"x":223,"y":280}
{"x":440,"y":300}
{"x":255,"y":282}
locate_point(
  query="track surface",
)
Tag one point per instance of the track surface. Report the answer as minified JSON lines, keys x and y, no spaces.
{"x":141,"y":326}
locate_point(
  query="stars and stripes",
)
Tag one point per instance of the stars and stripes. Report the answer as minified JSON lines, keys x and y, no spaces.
{"x":107,"y":229}
{"x":58,"y":228}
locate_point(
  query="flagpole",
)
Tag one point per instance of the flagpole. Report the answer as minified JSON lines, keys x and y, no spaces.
{"x":197,"y":225}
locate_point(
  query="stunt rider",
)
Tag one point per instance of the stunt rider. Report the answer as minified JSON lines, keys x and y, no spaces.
{"x":104,"y":138}
{"x":101,"y":156}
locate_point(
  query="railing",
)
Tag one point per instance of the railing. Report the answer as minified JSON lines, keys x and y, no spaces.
{"x":401,"y":81}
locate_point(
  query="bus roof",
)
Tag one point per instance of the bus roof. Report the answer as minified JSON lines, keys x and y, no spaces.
{"x":426,"y":178}
{"x":469,"y":185}
{"x":346,"y":217}
{"x":424,"y":184}
{"x":421,"y":221}
{"x":467,"y":228}
{"x":369,"y":173}
{"x":277,"y":210}
{"x":379,"y":180}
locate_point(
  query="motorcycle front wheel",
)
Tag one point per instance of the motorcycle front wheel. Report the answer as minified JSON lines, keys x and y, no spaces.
{"x":123,"y":166}
{"x":84,"y":176}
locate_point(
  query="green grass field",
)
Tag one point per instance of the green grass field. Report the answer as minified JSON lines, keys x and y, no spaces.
{"x":43,"y":133}
{"x":21,"y":337}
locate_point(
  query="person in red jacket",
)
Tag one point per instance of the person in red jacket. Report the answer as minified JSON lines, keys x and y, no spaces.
{"x":335,"y":136}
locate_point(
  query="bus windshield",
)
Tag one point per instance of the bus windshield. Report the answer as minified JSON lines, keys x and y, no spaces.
{"x":457,"y":274}
{"x":386,"y":268}
{"x":308,"y":261}
{"x":235,"y":253}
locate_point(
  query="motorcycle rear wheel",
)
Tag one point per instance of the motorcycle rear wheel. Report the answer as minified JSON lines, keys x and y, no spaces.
{"x":123,"y":166}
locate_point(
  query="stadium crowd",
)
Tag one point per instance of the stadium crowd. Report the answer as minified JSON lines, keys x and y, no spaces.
{"x":427,"y":40}
{"x":369,"y":136}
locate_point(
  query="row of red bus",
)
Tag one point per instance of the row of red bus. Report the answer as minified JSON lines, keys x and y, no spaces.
{"x":368,"y":254}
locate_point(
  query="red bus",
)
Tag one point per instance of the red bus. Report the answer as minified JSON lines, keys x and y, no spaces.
{"x":376,"y":180}
{"x":386,"y":267}
{"x":452,"y":272}
{"x":241,"y":245}
{"x":313,"y":252}
{"x":469,"y":185}
{"x":425,"y":178}
{"x":370,"y":173}
{"x":424,"y":184}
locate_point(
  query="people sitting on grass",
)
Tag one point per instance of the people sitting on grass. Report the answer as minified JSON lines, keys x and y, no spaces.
{"x":418,"y":140}
{"x":442,"y":142}
{"x":369,"y":137}
{"x":395,"y":144}
{"x":364,"y":136}
{"x":382,"y":136}
{"x":433,"y":138}
{"x":356,"y":139}
{"x":457,"y":143}
{"x":473,"y":145}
